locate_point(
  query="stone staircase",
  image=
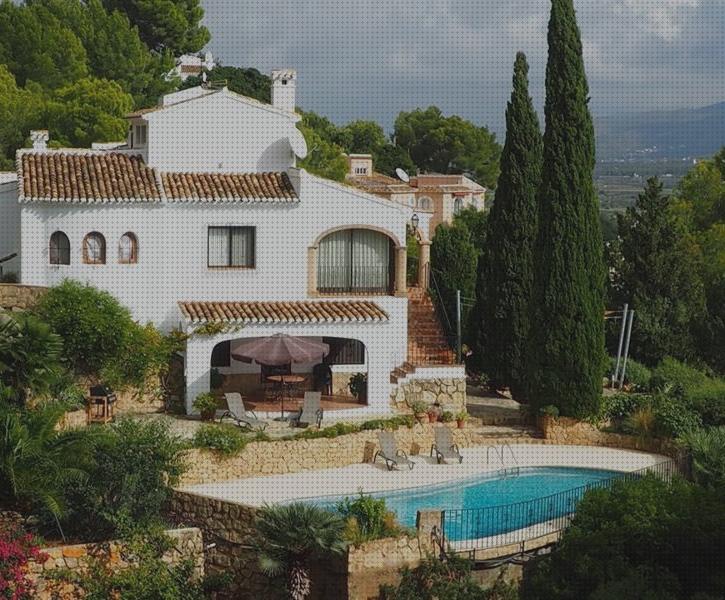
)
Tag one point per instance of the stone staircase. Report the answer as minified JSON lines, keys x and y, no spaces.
{"x":427,"y":343}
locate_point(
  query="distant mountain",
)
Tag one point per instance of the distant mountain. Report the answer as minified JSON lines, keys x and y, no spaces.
{"x":690,"y":132}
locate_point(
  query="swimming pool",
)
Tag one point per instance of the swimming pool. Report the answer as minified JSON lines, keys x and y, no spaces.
{"x":508,"y":498}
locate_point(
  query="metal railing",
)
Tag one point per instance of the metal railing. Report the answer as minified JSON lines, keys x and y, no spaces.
{"x":468,"y":530}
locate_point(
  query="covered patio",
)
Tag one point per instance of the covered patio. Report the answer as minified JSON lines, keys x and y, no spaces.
{"x":360,"y":345}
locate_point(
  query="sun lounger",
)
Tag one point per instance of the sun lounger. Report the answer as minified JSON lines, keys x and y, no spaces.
{"x":444,"y":447}
{"x":311,"y":411}
{"x":240,"y":415}
{"x":390,"y":453}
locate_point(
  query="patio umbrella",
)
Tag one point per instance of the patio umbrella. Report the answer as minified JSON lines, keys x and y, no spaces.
{"x":280,"y":349}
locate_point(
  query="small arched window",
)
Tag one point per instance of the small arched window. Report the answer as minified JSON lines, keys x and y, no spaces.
{"x":94,"y":249}
{"x":128,"y":249}
{"x":425,"y":203}
{"x":59,"y":249}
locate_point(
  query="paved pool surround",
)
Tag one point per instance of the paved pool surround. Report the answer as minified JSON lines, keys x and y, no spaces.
{"x":372,"y":478}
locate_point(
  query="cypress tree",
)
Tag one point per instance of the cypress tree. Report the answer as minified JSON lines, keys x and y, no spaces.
{"x":566,"y":357}
{"x":506,"y":269}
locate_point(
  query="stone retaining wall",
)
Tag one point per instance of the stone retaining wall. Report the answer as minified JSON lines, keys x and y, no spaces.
{"x":568,"y":431}
{"x":449,"y":393}
{"x":227,"y":530}
{"x":188,"y":545}
{"x":292,"y":456}
{"x":14,"y":296}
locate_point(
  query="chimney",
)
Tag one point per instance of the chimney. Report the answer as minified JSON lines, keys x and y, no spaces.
{"x":40,"y":138}
{"x":283,"y":89}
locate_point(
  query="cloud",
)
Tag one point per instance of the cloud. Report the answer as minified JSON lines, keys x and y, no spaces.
{"x":373,"y":58}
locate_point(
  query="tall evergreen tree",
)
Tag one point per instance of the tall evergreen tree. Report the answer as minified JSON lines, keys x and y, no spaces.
{"x":506,"y":269}
{"x":566,"y":346}
{"x":659,"y":277}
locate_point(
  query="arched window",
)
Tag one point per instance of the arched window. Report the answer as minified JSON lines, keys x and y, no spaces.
{"x":425,"y":203}
{"x":457,"y":205}
{"x":94,"y":249}
{"x":128,"y":249}
{"x":355,"y":261}
{"x":59,"y":249}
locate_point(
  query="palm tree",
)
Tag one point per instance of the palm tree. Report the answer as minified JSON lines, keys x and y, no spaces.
{"x":37,"y":461}
{"x":289,"y":536}
{"x":29,"y":357}
{"x":707,"y":448}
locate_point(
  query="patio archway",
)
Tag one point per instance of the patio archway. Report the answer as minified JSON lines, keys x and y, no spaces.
{"x":347,"y":360}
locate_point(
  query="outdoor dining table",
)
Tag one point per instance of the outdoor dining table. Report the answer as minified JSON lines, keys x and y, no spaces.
{"x":288,"y":382}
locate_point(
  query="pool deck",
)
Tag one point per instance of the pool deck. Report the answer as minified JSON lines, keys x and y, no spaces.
{"x":370,"y":478}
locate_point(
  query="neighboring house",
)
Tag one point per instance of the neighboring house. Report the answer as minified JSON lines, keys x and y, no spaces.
{"x":201,"y":217}
{"x":443,"y":196}
{"x":193,"y":65}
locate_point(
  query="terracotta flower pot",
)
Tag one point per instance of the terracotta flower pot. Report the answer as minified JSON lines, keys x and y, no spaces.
{"x":461,"y":423}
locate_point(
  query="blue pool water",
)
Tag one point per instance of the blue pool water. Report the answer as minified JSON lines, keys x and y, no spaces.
{"x":554,"y":492}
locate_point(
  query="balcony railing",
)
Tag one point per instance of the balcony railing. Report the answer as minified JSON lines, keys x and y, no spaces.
{"x":357,"y":280}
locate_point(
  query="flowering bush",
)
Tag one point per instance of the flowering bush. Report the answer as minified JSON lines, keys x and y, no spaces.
{"x":16,"y":549}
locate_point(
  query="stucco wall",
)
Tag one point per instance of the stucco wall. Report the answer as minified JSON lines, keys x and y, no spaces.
{"x":187,"y":545}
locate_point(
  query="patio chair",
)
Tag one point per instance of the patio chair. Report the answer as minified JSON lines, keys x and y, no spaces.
{"x":390,"y":453}
{"x":243,"y":418}
{"x":311,"y":411}
{"x":444,"y":446}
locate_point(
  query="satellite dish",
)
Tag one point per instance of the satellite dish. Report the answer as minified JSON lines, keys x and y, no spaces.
{"x":297,"y":143}
{"x":402,"y":175}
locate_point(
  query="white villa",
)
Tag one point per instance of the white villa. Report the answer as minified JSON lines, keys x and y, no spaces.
{"x":202,"y":217}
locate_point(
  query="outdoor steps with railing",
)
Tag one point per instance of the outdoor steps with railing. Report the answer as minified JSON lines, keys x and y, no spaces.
{"x":427,"y":343}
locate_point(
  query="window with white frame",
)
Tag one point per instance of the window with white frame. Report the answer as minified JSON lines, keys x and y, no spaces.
{"x":425,"y":203}
{"x":231,"y":246}
{"x":140,"y":135}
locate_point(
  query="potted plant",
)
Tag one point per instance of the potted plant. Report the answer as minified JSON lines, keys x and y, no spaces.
{"x":419,"y":411}
{"x":461,"y":419}
{"x":433,"y":413}
{"x":206,"y":404}
{"x":358,"y":386}
{"x":447,"y":416}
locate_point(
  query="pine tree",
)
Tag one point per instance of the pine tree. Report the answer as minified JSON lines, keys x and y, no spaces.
{"x":506,"y":270}
{"x":566,"y":346}
{"x":660,"y":278}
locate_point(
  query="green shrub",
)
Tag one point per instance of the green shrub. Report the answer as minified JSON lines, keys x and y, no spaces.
{"x":618,"y":407}
{"x":676,"y":377}
{"x":708,"y":400}
{"x":101,"y":340}
{"x":135,"y":463}
{"x":637,"y":376}
{"x":148,"y":577}
{"x":449,"y":579}
{"x":447,"y":416}
{"x":368,"y":519}
{"x":205,"y":402}
{"x":224,"y":438}
{"x":641,"y":530}
{"x":673,"y":416}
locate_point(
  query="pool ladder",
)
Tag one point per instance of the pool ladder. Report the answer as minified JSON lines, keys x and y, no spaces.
{"x":505,"y":471}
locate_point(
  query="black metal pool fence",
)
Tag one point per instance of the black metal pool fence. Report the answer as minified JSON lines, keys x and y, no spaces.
{"x":470,"y":529}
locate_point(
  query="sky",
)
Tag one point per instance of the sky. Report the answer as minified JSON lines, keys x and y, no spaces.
{"x":370,"y":59}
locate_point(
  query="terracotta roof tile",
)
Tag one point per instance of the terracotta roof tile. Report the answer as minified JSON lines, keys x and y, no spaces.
{"x":225,"y":187}
{"x":379,"y":183}
{"x":283,"y":312}
{"x":60,"y":176}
